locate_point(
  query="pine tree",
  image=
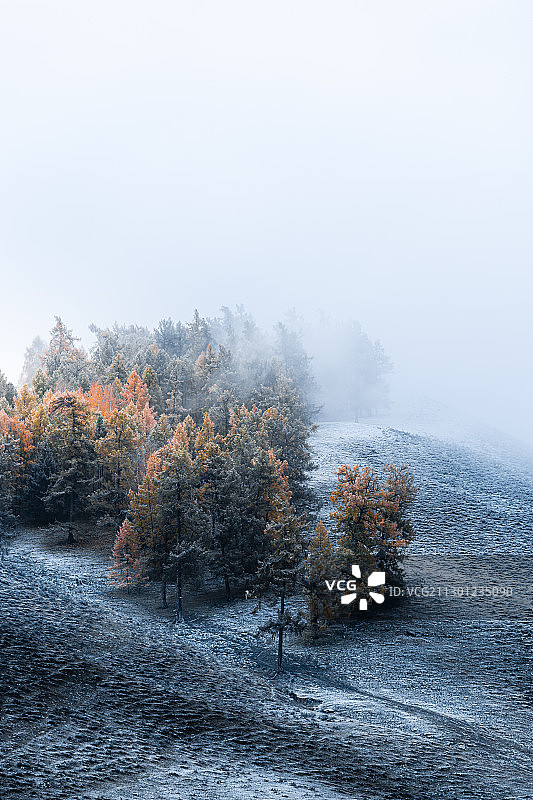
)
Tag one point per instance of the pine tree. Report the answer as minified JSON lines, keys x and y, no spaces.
{"x":41,"y":384}
{"x":220,"y":411}
{"x":9,"y":465}
{"x":170,"y":337}
{"x":154,"y":539}
{"x":182,"y":518}
{"x":399,"y":493}
{"x":117,"y":448}
{"x":25,"y":404}
{"x":136,"y":392}
{"x":70,"y":437}
{"x":323,"y":562}
{"x":126,"y":569}
{"x":152,"y":384}
{"x":256,"y":486}
{"x":297,"y":365}
{"x":40,"y":423}
{"x":279,"y":575}
{"x":19,"y":433}
{"x":65,"y":365}
{"x":160,"y":434}
{"x":8,"y":396}
{"x":286,"y":426}
{"x":198,"y":335}
{"x":33,"y":358}
{"x":117,"y":370}
{"x":103,"y":399}
{"x":41,"y":474}
{"x":216,"y":495}
{"x":370,"y":516}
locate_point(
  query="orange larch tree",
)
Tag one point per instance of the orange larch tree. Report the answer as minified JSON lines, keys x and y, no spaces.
{"x":126,"y":571}
{"x":370,"y":512}
{"x":136,"y":392}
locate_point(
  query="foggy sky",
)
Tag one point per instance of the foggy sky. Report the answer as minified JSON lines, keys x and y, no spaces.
{"x":373,"y":159}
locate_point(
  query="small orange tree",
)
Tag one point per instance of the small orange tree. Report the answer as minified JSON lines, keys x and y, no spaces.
{"x":370,"y":512}
{"x":126,"y":570}
{"x":323,"y":562}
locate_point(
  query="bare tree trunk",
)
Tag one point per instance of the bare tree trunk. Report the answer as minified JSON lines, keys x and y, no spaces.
{"x":164,"y":603}
{"x":280,"y":634}
{"x":227,"y":584}
{"x":179,"y":592}
{"x":179,"y":587}
{"x":70,"y":539}
{"x":228,"y":587}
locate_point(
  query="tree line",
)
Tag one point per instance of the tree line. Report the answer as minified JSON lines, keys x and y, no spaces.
{"x":199,"y":456}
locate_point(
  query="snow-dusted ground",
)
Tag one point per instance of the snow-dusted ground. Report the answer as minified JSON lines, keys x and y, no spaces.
{"x":430,"y":698}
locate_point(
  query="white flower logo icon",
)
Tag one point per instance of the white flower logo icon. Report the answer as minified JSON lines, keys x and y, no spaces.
{"x":374,"y":579}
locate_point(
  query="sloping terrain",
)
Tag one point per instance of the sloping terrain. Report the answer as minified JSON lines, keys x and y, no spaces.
{"x":103,"y":697}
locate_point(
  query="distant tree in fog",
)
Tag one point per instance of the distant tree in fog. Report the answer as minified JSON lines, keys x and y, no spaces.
{"x":296,"y":362}
{"x":349,"y":368}
{"x":33,"y":358}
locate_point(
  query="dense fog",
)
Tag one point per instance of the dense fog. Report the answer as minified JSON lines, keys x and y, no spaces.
{"x":357,"y":161}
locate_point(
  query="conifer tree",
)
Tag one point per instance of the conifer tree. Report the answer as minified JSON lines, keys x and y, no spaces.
{"x":9,"y":465}
{"x":399,"y":494}
{"x":40,"y":423}
{"x":286,"y":426}
{"x":33,"y":357}
{"x":170,"y":337}
{"x":255,"y":489}
{"x":296,"y":364}
{"x":279,"y":575}
{"x":20,"y":435}
{"x":154,"y":539}
{"x":357,"y":499}
{"x":70,"y":437}
{"x":117,"y":370}
{"x":103,"y":399}
{"x":136,"y":392}
{"x":152,"y":384}
{"x":371,"y":517}
{"x":41,"y":383}
{"x":182,"y":519}
{"x":160,"y":434}
{"x":65,"y":365}
{"x":125,"y":571}
{"x":117,"y":448}
{"x":25,"y":404}
{"x":41,"y":474}
{"x":8,"y":393}
{"x":220,"y":411}
{"x":198,"y":335}
{"x":323,"y":562}
{"x":217,"y":494}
